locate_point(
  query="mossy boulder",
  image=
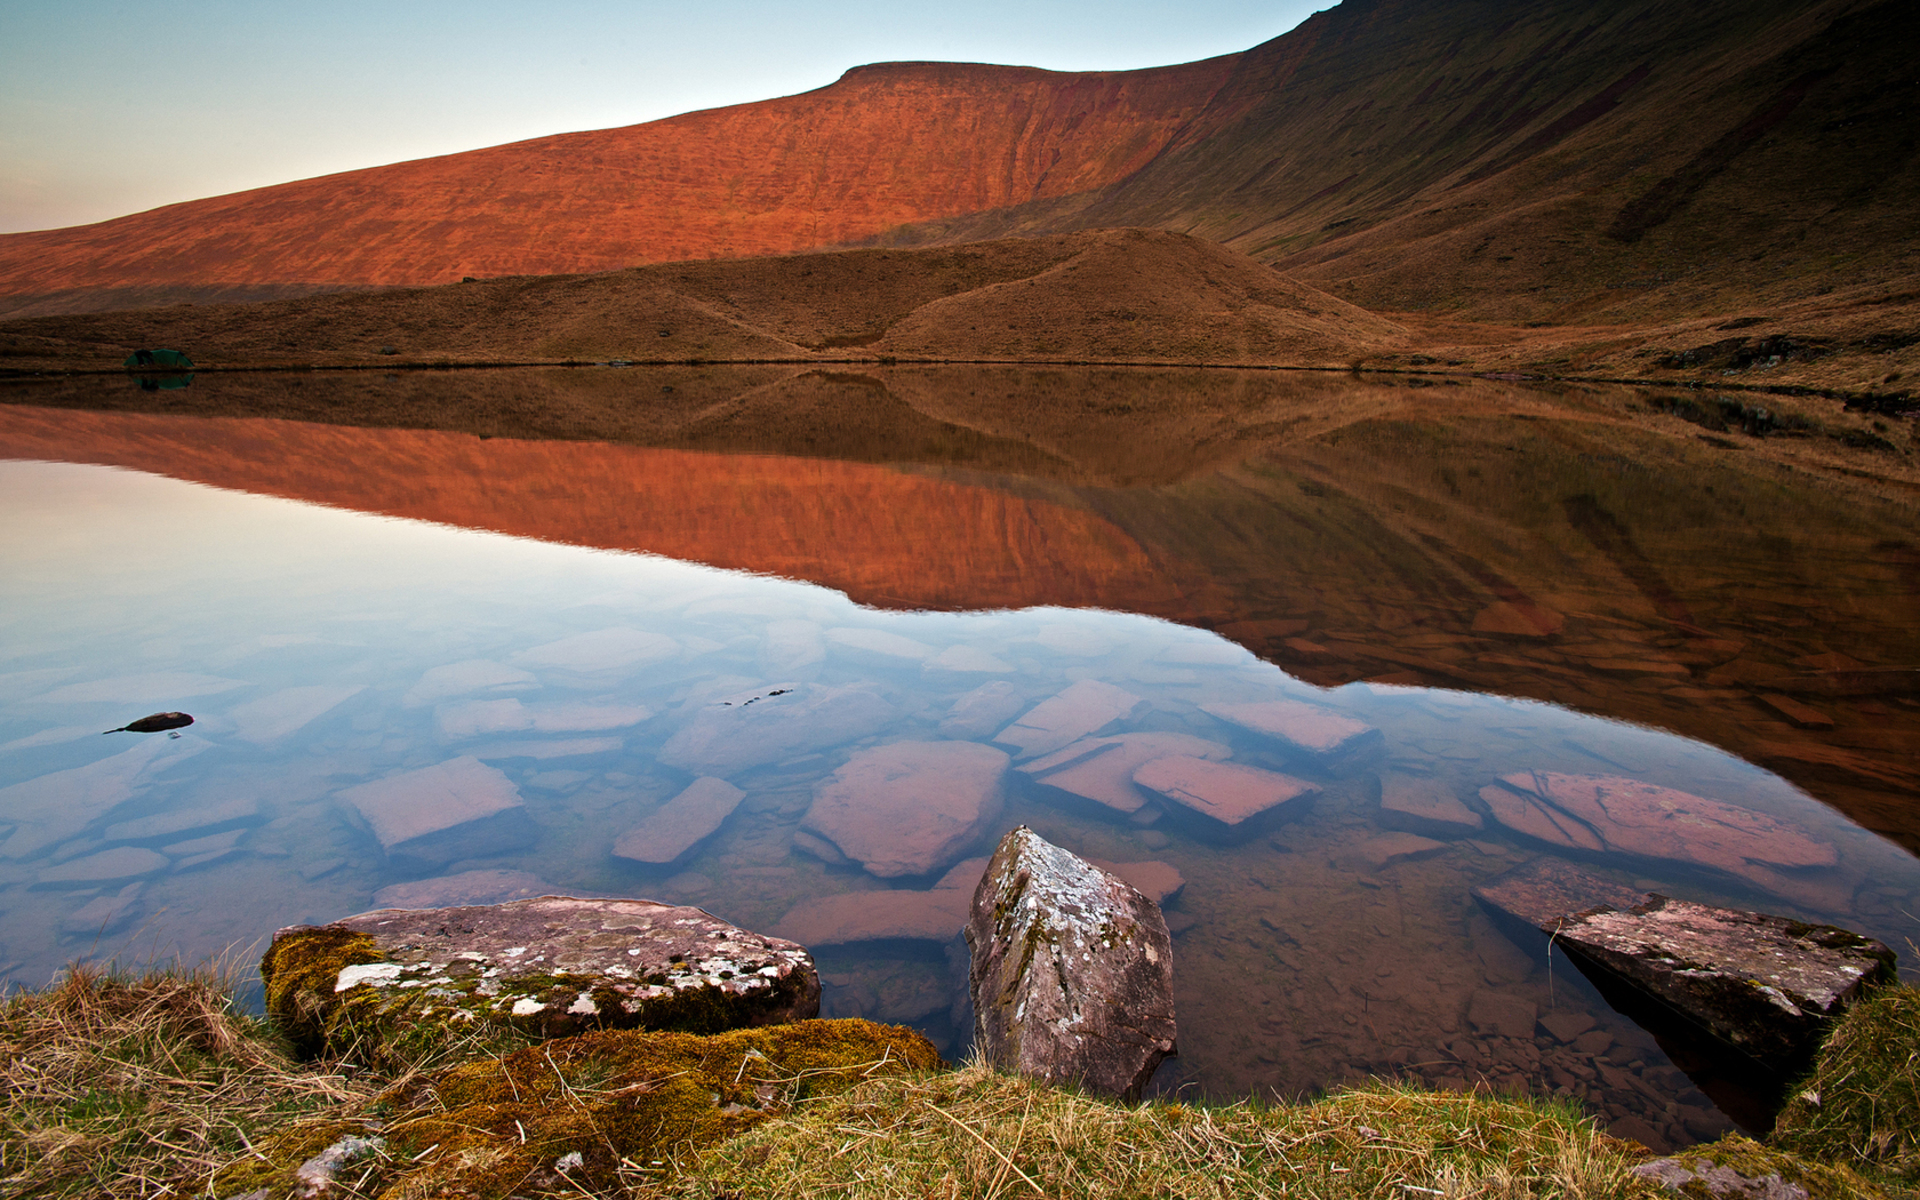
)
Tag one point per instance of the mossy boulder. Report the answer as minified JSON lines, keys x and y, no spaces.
{"x":394,"y":984}
{"x":591,"y":1113}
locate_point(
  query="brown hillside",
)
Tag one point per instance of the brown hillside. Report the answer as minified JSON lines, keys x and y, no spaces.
{"x":882,"y":146}
{"x":1114,"y":295}
{"x":1559,"y":161}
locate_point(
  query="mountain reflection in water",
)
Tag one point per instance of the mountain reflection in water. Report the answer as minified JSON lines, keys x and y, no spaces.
{"x":1394,"y":568}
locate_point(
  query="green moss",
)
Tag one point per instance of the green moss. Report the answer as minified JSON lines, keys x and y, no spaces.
{"x":1860,"y":1105}
{"x":299,"y":971}
{"x":627,"y":1101}
{"x":1822,"y":1181}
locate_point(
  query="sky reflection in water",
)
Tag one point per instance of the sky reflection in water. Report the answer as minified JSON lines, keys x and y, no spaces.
{"x":322,"y":651}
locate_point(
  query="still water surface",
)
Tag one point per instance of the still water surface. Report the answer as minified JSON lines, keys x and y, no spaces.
{"x":560,"y":698}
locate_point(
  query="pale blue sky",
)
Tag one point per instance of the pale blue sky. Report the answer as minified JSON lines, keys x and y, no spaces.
{"x":113,"y":106}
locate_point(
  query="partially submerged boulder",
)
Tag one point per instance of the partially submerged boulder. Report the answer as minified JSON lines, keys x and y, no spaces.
{"x":1546,"y":892}
{"x":909,"y":808}
{"x":1072,"y":975}
{"x":576,"y":1113}
{"x":554,"y":965}
{"x":1764,"y":985}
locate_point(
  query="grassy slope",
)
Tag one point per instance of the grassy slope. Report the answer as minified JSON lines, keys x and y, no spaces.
{"x":123,"y":1087}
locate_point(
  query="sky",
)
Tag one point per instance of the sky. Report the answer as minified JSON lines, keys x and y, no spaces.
{"x":109,"y":107}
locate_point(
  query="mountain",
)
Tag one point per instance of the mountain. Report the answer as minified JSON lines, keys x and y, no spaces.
{"x":1546,"y":161}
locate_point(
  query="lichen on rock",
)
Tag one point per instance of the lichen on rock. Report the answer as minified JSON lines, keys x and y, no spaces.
{"x":397,"y":981}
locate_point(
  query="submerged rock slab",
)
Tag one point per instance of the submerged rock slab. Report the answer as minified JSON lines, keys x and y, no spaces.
{"x":1101,"y":769}
{"x":768,"y":725}
{"x":1298,"y":726}
{"x":460,"y":808}
{"x":909,"y":808}
{"x":1084,"y":708}
{"x":1545,"y":892}
{"x":1427,"y":807}
{"x":1626,"y":816}
{"x":1072,"y":974}
{"x":681,"y":823}
{"x":1764,"y":985}
{"x":555,"y":964}
{"x":1229,"y":796}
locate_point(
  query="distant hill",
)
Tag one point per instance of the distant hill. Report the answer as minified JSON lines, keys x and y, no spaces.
{"x":1103,"y":295}
{"x":1555,"y":160}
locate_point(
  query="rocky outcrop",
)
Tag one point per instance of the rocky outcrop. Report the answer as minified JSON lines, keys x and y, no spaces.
{"x":1764,"y":985}
{"x":1546,"y":892}
{"x":555,"y":965}
{"x":460,"y":808}
{"x":1223,"y":798}
{"x":1072,"y":975}
{"x":909,"y":808}
{"x":1612,"y":814}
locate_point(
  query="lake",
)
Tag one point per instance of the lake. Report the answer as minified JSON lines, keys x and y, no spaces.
{"x":572,"y":644}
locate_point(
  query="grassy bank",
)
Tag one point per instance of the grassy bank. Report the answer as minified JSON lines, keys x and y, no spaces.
{"x":155,"y":1086}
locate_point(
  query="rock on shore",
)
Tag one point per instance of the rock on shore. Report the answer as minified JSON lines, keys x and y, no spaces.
{"x":1072,"y":975}
{"x":555,"y":964}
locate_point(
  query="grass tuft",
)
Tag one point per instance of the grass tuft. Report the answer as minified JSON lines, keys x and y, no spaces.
{"x":978,"y":1133}
{"x":1861,"y":1104}
{"x":117,"y":1086}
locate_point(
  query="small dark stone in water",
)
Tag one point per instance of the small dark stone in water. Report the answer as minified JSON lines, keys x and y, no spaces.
{"x":156,"y":723}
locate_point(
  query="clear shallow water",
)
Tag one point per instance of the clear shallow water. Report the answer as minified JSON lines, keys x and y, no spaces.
{"x":322,"y":650}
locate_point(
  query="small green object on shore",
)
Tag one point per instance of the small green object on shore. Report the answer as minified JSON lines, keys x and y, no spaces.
{"x":158,"y":360}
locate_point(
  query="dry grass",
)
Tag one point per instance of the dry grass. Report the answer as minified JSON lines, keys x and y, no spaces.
{"x":1861,"y":1105}
{"x":116,"y":1086}
{"x":977,"y":1133}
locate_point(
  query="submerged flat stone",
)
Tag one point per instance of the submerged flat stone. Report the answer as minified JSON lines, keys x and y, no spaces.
{"x":1226,"y":794}
{"x":681,"y":823}
{"x":1626,"y":816}
{"x":460,"y":808}
{"x":982,"y":710}
{"x":1545,"y":892}
{"x":1426,"y":806}
{"x":909,"y":808}
{"x":1297,"y":726}
{"x":554,"y":964}
{"x":1765,"y":985}
{"x":1072,"y":970}
{"x":1101,"y":769}
{"x":771,"y":724}
{"x":108,"y":866}
{"x":1084,"y":708}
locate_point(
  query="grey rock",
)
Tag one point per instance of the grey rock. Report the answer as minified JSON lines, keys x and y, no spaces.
{"x":167,"y":825}
{"x":460,"y":808}
{"x":1764,"y":985}
{"x":909,"y":808}
{"x":315,"y":1177}
{"x":681,"y":823}
{"x":1698,"y":1174}
{"x":1072,"y":970}
{"x":105,"y":914}
{"x":772,"y":724}
{"x":557,"y":965}
{"x":1545,"y":892}
{"x":108,"y":866}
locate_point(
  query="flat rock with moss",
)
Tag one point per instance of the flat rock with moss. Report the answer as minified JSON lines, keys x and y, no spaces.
{"x":550,"y":966}
{"x":1767,"y":986}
